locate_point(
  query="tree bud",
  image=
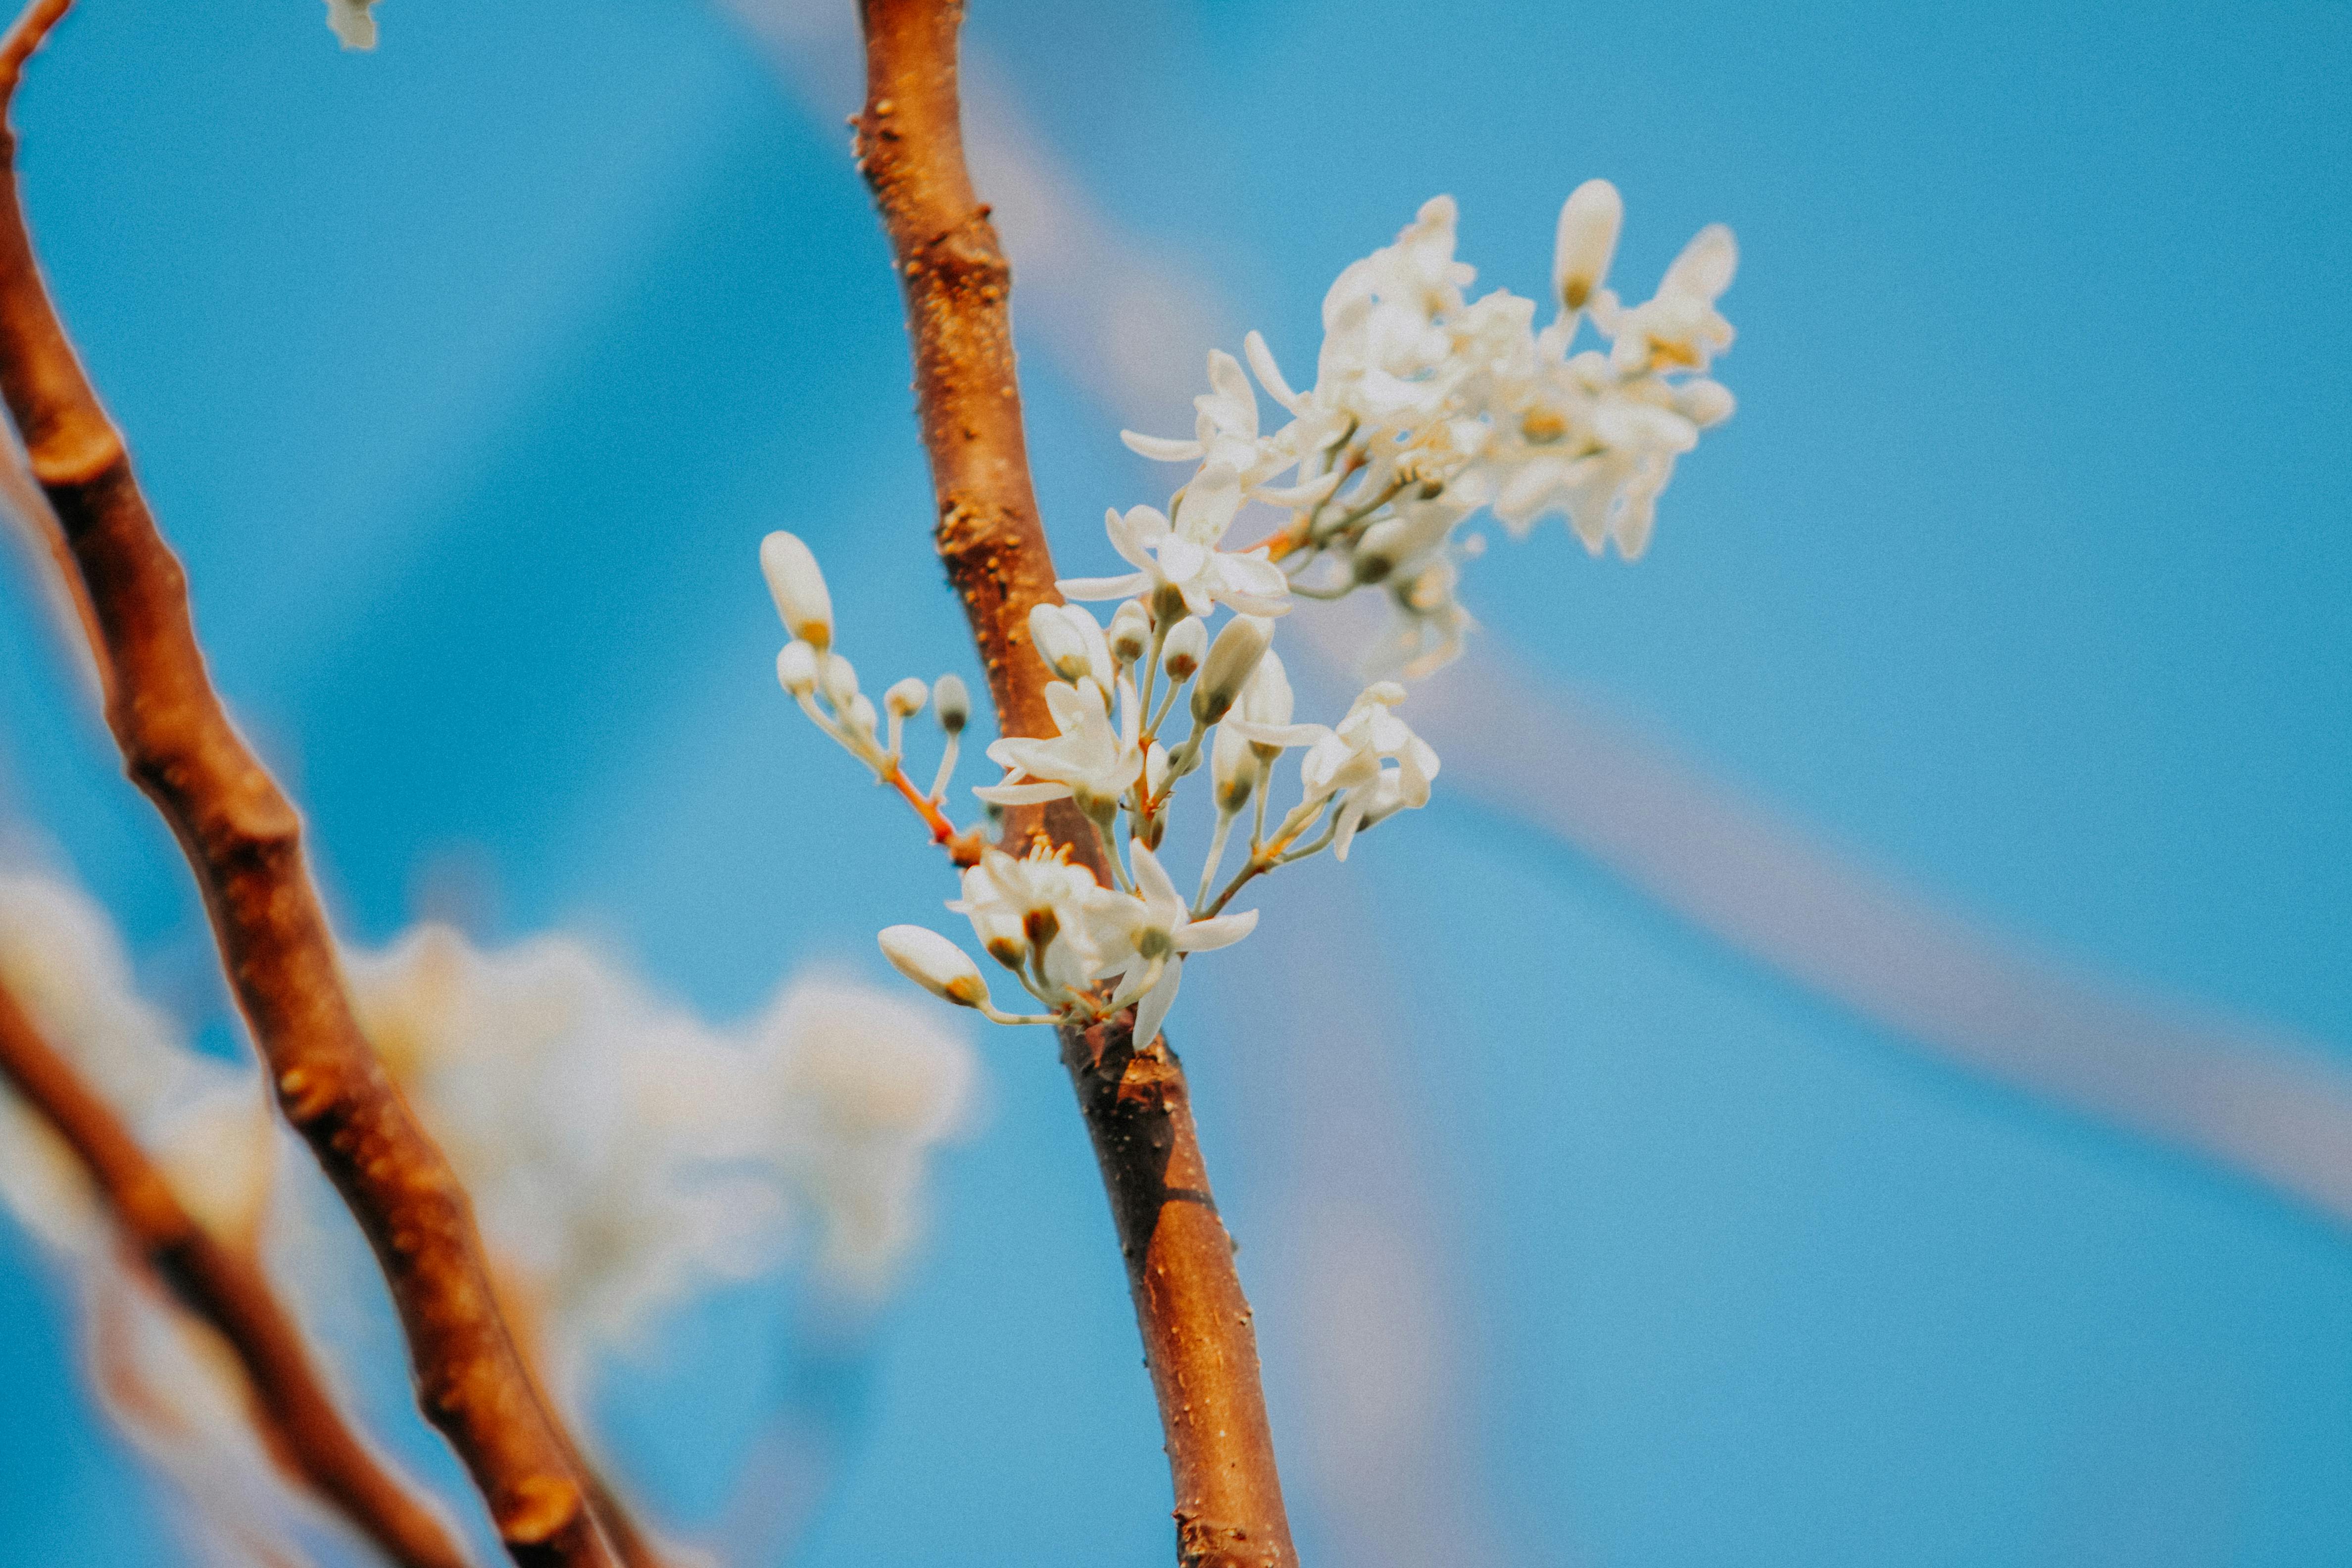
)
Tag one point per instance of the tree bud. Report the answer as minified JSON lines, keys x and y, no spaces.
{"x":1588,"y":239}
{"x":935,"y":963}
{"x":951,"y":703}
{"x":1130,"y":632}
{"x":1232,"y":659}
{"x":798,"y":588}
{"x":796,"y":668}
{"x":1187,"y":645}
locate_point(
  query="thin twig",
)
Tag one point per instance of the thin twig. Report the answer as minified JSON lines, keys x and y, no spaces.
{"x":243,"y":839}
{"x":1196,"y":1327}
{"x":223,"y":1285}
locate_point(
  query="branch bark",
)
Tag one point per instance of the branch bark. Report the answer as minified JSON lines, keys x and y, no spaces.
{"x":243,"y":840}
{"x":1195,"y":1324}
{"x":223,"y":1285}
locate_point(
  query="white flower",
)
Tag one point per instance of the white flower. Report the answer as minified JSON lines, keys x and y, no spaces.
{"x":1184,"y":555}
{"x":1029,"y":904}
{"x":1091,"y":761}
{"x":1071,"y":642}
{"x":1347,"y":763}
{"x":1142,"y":937}
{"x":1679,"y":326}
{"x":1381,"y":317}
{"x":1225,"y":431}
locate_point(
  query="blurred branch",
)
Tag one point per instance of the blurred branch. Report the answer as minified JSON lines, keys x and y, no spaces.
{"x":243,"y":839}
{"x":1196,"y":1328}
{"x":224,"y":1287}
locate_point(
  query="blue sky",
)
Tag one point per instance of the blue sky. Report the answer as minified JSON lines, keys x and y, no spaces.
{"x":468,"y":374}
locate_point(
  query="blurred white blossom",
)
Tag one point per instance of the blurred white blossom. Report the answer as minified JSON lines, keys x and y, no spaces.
{"x":353,"y":22}
{"x":619,"y":1152}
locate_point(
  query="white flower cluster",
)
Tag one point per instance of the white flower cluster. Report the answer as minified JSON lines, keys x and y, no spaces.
{"x":1426,"y":408}
{"x":1083,"y":950}
{"x":618,"y":1151}
{"x":167,"y":1382}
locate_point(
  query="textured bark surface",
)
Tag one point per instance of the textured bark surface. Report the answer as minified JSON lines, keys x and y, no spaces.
{"x":1196,"y":1328}
{"x":1198,"y":1336}
{"x":967,"y":394}
{"x":243,"y":840}
{"x":223,"y":1285}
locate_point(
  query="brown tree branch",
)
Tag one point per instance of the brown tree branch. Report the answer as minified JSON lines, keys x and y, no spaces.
{"x":223,"y":1285}
{"x":1195,"y":1324}
{"x":243,"y":839}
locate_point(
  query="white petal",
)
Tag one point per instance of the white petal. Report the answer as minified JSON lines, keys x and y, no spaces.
{"x":1020,"y":793}
{"x":1283,"y":735}
{"x":1154,"y":1009}
{"x":1162,"y":449}
{"x":1235,"y":404}
{"x":1206,"y":936}
{"x":1308,"y":494}
{"x":1094,"y":588}
{"x":1209,"y":504}
{"x":1151,"y":880}
{"x":1704,"y":270}
{"x":1351,"y":813}
{"x":1180,"y":559}
{"x":1255,"y":575}
{"x":1269,"y":375}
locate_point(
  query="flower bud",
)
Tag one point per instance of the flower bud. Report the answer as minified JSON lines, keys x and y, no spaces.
{"x":1588,"y":239}
{"x":1704,"y":402}
{"x":1167,"y":605}
{"x":1267,"y":699}
{"x":1130,"y":632}
{"x":1377,"y":552}
{"x":796,"y":668}
{"x":1070,"y":640}
{"x":935,"y":963}
{"x":798,"y":588}
{"x":839,"y":682}
{"x":1155,"y":769}
{"x":905,"y":700}
{"x":1233,"y":770}
{"x":951,"y":703}
{"x":1232,"y":659}
{"x":1187,"y":645}
{"x":861,"y":716}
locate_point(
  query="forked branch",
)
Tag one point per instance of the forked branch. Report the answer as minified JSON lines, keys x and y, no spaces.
{"x":1196,"y":1328}
{"x":222,"y":1285}
{"x":243,"y":840}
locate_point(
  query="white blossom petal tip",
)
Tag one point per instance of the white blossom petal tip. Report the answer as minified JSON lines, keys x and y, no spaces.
{"x":353,"y":23}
